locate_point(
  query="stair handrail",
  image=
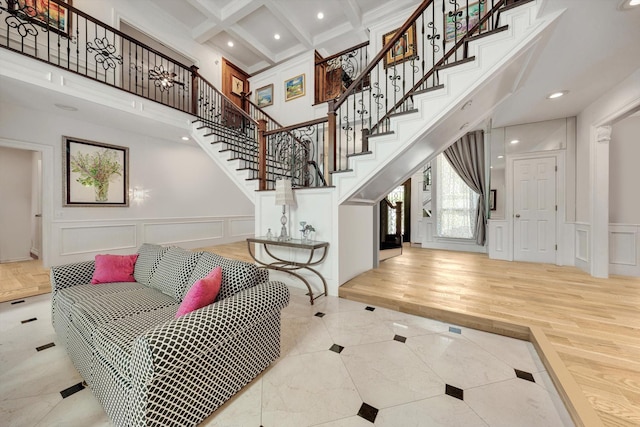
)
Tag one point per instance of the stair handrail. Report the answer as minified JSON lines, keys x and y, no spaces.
{"x":228,"y":100}
{"x":462,"y":42}
{"x":336,"y":103}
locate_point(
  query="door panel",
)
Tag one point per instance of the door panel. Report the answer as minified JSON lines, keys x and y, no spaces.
{"x":534,"y":209}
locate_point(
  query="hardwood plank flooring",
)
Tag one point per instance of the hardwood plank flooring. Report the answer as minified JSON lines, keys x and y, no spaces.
{"x":592,"y":324}
{"x":23,"y":279}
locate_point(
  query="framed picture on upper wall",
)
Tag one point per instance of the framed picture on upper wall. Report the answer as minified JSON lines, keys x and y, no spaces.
{"x":456,"y":25}
{"x":94,"y":174}
{"x":43,"y":13}
{"x":264,"y":96}
{"x":237,"y":86}
{"x":404,"y":49}
{"x":294,"y":88}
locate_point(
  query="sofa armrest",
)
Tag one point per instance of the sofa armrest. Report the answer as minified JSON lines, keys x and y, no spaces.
{"x":185,"y":339}
{"x":65,"y":276}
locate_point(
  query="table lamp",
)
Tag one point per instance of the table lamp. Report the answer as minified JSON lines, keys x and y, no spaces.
{"x":284,"y":197}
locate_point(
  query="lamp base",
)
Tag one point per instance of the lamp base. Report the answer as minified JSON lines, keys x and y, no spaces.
{"x":284,"y":234}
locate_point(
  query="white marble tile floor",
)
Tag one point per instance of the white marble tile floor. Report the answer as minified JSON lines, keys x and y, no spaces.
{"x":343,"y":364}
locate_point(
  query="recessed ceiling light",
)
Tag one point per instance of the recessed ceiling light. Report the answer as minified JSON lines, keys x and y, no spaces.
{"x":230,"y":43}
{"x":320,"y":15}
{"x":185,"y":138}
{"x":276,"y":36}
{"x":515,"y":141}
{"x":490,"y":167}
{"x":634,"y":3}
{"x":555,"y":95}
{"x":66,"y":107}
{"x":628,"y":4}
{"x":501,"y":157}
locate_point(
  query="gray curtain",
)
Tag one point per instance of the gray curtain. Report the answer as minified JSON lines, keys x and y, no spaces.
{"x":466,"y":157}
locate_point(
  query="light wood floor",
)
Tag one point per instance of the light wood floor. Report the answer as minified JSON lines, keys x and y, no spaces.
{"x":23,"y":279}
{"x":592,"y":324}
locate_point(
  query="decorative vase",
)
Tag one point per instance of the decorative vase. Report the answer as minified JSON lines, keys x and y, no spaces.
{"x":102,"y":191}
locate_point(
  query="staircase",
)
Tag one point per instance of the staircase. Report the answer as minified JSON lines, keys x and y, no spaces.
{"x":457,"y":96}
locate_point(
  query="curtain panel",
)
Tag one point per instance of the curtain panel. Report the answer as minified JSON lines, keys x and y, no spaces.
{"x":466,"y":157}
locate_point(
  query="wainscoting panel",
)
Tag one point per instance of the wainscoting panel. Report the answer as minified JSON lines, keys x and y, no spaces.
{"x":241,"y":227}
{"x":83,"y":239}
{"x":582,"y":246}
{"x":74,"y":241}
{"x":498,"y":240}
{"x":171,"y":233}
{"x":623,"y":249}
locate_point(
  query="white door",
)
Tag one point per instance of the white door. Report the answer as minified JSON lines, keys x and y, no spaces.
{"x":534,"y":210}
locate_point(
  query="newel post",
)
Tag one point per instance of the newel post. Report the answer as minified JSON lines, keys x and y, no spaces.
{"x":262,"y":155}
{"x":194,"y":90}
{"x":330,"y":144}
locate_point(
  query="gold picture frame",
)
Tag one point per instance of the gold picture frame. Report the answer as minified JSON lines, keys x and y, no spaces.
{"x":46,"y":14}
{"x":237,"y":86}
{"x":294,"y":87}
{"x":264,"y":96}
{"x":404,"y":49}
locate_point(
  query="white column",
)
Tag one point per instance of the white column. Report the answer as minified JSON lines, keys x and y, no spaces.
{"x":600,"y":203}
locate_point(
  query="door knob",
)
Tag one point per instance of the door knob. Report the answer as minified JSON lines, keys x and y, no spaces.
{"x":517,"y":215}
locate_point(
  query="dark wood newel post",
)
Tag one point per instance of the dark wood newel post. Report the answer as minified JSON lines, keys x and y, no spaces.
{"x":194,"y":90}
{"x":262,"y":154}
{"x":330,"y":144}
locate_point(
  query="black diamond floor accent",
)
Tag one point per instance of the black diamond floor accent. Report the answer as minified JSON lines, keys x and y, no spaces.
{"x":46,"y":346}
{"x":368,"y":412}
{"x":524,"y":375}
{"x":369,"y":308}
{"x":71,"y":390}
{"x":337,"y":348}
{"x":33,"y":319}
{"x":319,"y":314}
{"x":400,"y":338}
{"x":456,"y":392}
{"x":17,"y":302}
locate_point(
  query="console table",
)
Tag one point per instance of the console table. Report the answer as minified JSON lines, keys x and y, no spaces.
{"x":313,"y":247}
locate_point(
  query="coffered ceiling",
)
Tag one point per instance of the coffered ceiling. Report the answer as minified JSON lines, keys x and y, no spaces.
{"x":251,"y":26}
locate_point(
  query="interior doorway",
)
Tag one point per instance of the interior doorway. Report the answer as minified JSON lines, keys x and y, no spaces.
{"x":21,"y":214}
{"x":535,"y":209}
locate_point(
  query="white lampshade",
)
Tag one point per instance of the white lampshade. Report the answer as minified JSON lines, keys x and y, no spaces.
{"x":284,"y":193}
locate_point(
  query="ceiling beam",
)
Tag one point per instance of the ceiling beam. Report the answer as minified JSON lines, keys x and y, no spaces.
{"x":295,"y":28}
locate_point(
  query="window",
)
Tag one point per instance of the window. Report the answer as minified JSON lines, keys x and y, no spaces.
{"x":456,"y":203}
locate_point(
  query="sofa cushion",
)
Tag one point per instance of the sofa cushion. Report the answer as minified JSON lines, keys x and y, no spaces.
{"x":67,"y":297}
{"x":92,"y":313}
{"x":149,"y":256}
{"x":114,"y":341}
{"x":174,"y":269}
{"x":114,"y":268}
{"x":236,"y":275}
{"x":202,"y":293}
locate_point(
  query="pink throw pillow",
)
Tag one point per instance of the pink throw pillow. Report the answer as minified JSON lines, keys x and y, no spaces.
{"x":114,"y":268}
{"x":202,"y":293}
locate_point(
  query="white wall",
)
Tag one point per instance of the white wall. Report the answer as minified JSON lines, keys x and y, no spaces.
{"x":188,"y":201}
{"x":296,"y":110}
{"x":15,"y":204}
{"x":626,"y":94}
{"x":356,"y":240}
{"x":624,"y":173}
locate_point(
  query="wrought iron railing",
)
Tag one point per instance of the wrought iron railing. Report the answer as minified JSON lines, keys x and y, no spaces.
{"x":435,"y":36}
{"x":55,"y":32}
{"x":334,"y":74}
{"x":296,"y":152}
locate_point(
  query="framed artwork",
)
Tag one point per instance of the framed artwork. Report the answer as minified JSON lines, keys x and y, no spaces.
{"x":264,"y":96}
{"x":492,"y":200}
{"x":404,"y":49}
{"x":454,"y":22}
{"x":294,"y":87}
{"x":94,"y":174}
{"x":237,"y":86}
{"x":43,"y":12}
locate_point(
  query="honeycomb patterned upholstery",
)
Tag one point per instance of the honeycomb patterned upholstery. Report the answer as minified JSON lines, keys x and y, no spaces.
{"x":145,"y":366}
